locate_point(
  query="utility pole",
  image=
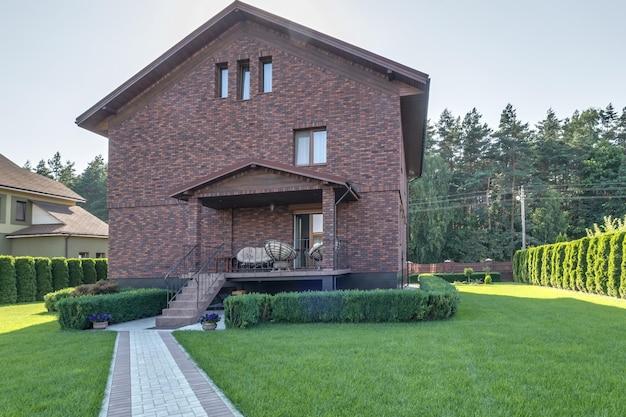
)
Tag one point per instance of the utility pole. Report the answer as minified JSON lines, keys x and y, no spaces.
{"x":522,"y":197}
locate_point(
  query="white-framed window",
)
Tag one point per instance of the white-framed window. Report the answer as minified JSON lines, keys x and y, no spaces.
{"x":266,"y":74}
{"x":310,"y":147}
{"x":222,"y":80}
{"x":244,"y":80}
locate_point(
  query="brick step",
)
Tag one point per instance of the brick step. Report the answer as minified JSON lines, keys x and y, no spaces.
{"x":181,"y":312}
{"x":175,"y":321}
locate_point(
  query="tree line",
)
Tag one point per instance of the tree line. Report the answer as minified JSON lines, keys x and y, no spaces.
{"x":467,"y":205}
{"x":91,"y":184}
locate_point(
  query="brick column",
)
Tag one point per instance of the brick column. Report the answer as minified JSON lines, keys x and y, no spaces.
{"x":328,"y":210}
{"x":193,"y":221}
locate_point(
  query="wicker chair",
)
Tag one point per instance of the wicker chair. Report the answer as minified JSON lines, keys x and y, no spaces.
{"x":249,"y":258}
{"x":315,"y":253}
{"x":281,"y":253}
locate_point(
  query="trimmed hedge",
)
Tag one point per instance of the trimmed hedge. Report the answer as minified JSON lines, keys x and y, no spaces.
{"x":102,"y":268}
{"x":594,"y":264}
{"x":25,"y":279}
{"x":90,"y":276}
{"x":460,"y":277}
{"x":43,"y":272}
{"x":75,"y":272}
{"x":8,"y":289}
{"x":45,"y":275}
{"x":124,"y":306}
{"x":50,"y":299}
{"x":440,"y":300}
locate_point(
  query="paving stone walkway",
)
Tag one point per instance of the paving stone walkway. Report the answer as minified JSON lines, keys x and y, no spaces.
{"x":152,"y":376}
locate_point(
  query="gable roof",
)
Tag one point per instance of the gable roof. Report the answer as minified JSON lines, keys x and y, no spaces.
{"x":257,"y":196}
{"x":13,"y":177}
{"x":73,"y":220}
{"x":414,"y":107}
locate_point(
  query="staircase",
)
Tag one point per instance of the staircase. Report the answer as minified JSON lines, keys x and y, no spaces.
{"x":192,"y":301}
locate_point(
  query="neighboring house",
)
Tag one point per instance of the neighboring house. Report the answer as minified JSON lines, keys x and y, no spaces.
{"x":253,"y":128}
{"x":39,"y":217}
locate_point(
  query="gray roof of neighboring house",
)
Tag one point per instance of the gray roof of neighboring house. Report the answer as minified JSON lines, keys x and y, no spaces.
{"x":73,"y":220}
{"x":13,"y":177}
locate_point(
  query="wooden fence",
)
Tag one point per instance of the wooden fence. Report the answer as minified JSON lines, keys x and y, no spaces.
{"x":504,"y":268}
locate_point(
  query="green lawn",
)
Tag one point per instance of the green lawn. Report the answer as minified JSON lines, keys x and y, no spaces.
{"x":48,"y":372}
{"x":511,"y":350}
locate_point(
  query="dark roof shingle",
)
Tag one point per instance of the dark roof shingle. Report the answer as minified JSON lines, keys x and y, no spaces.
{"x":16,"y":178}
{"x":73,"y":220}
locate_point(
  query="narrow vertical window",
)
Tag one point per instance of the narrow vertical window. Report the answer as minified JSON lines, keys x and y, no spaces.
{"x":222,"y":80}
{"x":244,"y":80}
{"x":20,"y":211}
{"x":266,"y":75}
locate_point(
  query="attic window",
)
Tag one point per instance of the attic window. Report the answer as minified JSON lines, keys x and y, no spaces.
{"x":244,"y":80}
{"x":266,"y":74}
{"x":222,"y":80}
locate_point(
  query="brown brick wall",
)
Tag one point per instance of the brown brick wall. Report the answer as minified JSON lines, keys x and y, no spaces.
{"x":185,"y":132}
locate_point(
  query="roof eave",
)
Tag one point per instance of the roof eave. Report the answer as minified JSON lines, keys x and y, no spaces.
{"x":237,"y":11}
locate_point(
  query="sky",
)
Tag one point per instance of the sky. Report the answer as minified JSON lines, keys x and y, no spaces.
{"x":61,"y":57}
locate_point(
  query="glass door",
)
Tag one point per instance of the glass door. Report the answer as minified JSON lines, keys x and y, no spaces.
{"x":308,"y":230}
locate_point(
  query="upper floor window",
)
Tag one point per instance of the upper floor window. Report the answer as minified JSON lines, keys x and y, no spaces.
{"x":266,"y":75}
{"x":20,"y":211}
{"x":222,"y":80}
{"x":310,"y":147}
{"x":244,"y":80}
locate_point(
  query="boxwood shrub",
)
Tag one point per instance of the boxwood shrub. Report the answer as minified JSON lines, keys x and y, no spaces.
{"x":124,"y":306}
{"x":439,"y":300}
{"x":50,"y":299}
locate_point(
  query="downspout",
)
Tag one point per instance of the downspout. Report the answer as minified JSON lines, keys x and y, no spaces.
{"x":335,"y":223}
{"x":67,"y":238}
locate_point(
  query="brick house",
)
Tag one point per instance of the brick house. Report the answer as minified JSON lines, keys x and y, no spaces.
{"x":253,"y":128}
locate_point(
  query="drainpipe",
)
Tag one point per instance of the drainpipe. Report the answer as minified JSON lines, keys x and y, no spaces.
{"x":67,"y":238}
{"x":335,"y":223}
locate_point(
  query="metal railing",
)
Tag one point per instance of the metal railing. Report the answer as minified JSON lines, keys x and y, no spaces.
{"x":253,"y":257}
{"x":196,"y":260}
{"x":208,"y":274}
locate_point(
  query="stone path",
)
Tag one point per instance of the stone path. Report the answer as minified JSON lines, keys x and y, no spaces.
{"x":152,"y":376}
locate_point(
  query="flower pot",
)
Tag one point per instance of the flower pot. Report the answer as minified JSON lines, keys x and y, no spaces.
{"x":209,"y":326}
{"x":100,"y":324}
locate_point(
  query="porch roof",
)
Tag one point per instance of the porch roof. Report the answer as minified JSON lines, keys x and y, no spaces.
{"x":257,"y":183}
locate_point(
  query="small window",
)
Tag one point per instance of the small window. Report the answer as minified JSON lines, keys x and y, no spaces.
{"x":266,"y":75}
{"x":83,"y":254}
{"x":100,"y":255}
{"x":244,"y":80}
{"x":222,"y":80}
{"x":310,"y":147}
{"x":20,"y":211}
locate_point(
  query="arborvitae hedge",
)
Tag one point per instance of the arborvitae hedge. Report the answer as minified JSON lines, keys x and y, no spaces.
{"x":8,"y":290}
{"x":102,"y":266}
{"x":75,"y":272}
{"x":615,"y":264}
{"x":60,"y":273}
{"x":25,"y":279}
{"x":43,"y":272}
{"x":90,"y":276}
{"x":592,"y":264}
